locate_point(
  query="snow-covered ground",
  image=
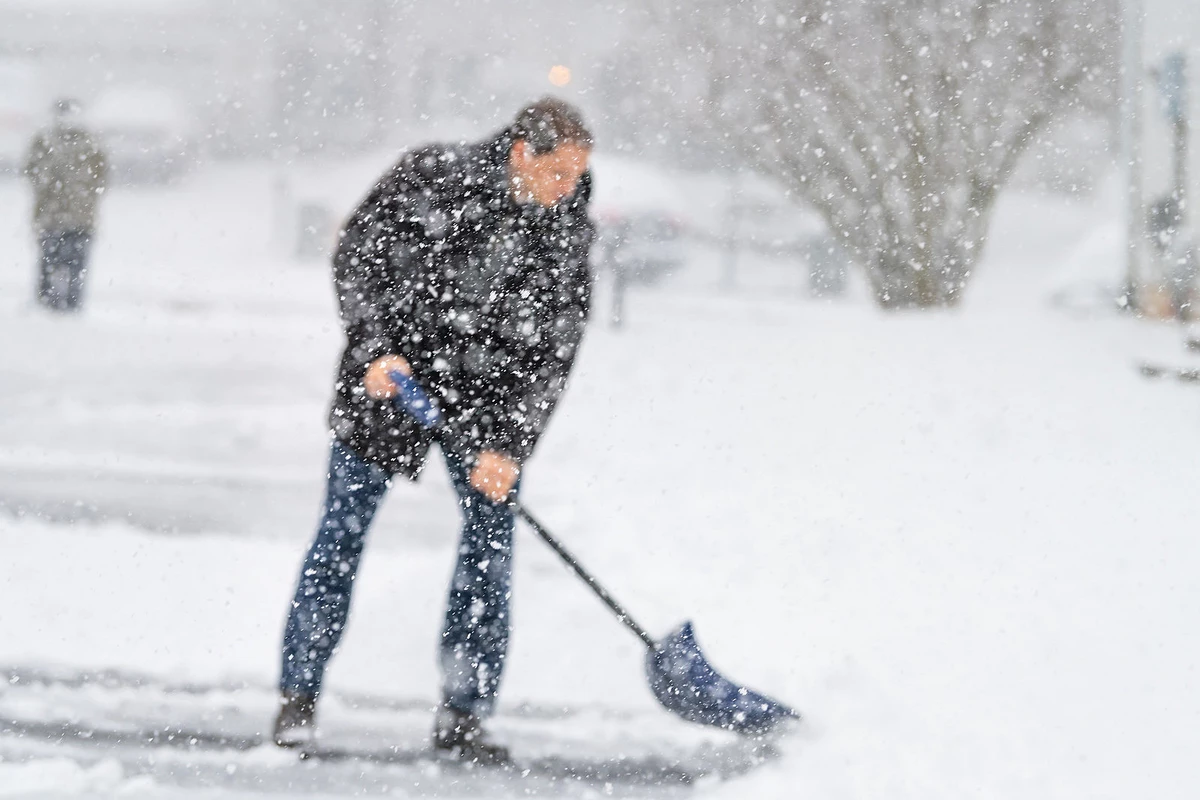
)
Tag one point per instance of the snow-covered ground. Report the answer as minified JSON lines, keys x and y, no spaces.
{"x":963,"y":544}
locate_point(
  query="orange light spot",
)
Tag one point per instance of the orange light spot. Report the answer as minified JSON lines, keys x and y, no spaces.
{"x":560,"y":75}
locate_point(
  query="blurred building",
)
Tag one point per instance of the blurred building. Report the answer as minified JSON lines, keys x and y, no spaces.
{"x":301,"y":75}
{"x":182,"y":49}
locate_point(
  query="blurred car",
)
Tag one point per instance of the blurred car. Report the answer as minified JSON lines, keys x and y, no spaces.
{"x":642,"y":247}
{"x":147,"y":134}
{"x":770,"y":226}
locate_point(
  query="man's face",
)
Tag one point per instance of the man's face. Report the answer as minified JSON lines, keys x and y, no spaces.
{"x":547,"y":178}
{"x":67,"y":115}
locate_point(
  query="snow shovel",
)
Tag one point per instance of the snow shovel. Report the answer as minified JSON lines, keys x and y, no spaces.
{"x":681,"y":678}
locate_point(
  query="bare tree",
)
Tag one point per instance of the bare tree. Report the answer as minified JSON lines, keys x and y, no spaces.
{"x":899,"y":121}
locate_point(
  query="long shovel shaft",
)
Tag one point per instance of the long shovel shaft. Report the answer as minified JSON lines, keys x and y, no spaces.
{"x":584,"y":575}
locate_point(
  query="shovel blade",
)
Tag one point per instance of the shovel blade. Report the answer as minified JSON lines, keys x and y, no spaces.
{"x":687,"y":685}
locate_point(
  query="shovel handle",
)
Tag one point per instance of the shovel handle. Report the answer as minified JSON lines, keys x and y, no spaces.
{"x":412,"y":398}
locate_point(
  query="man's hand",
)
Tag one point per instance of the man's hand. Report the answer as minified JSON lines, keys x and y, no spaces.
{"x":494,"y":475}
{"x":378,"y":383}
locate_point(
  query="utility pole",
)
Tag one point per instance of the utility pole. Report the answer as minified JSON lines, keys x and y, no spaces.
{"x":1131,"y":146}
{"x":1174,"y":85}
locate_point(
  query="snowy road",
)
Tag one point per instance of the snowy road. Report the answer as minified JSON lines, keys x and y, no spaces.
{"x":124,"y":726}
{"x":963,"y":544}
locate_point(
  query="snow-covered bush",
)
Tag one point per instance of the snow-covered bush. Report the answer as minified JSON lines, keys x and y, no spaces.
{"x":899,"y":121}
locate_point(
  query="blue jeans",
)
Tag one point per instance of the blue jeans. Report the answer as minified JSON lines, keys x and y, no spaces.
{"x":475,"y":637}
{"x":62,"y":269}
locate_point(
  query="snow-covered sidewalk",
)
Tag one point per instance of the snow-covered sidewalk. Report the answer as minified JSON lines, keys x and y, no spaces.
{"x":962,"y":543}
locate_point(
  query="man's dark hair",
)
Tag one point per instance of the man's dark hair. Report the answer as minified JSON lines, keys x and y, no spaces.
{"x":549,"y":122}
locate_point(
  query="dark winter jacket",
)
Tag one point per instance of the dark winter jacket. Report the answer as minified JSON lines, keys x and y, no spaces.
{"x":68,"y":171}
{"x":485,"y":297}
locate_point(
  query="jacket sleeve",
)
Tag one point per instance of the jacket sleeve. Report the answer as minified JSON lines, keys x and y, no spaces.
{"x":527,"y":419}
{"x":364,"y":288}
{"x":35,"y":158}
{"x":99,"y":169}
{"x":519,"y":419}
{"x":376,"y":269}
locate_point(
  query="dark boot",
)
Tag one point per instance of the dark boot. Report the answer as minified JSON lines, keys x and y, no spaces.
{"x":461,"y":736}
{"x":296,"y":724}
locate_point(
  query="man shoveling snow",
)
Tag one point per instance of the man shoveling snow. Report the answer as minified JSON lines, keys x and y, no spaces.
{"x":466,"y":267}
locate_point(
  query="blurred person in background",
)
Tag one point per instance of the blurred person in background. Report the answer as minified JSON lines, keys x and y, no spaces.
{"x":465,"y":268}
{"x":68,"y":171}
